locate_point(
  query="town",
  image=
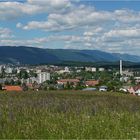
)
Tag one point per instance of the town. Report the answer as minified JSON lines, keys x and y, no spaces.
{"x":50,"y":77}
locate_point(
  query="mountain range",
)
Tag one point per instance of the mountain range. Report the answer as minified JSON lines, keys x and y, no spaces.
{"x":32,"y":55}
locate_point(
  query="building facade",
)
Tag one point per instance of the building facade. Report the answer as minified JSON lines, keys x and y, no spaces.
{"x":43,"y":76}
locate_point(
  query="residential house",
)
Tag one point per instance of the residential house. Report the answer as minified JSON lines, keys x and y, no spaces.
{"x":93,"y":69}
{"x":65,"y":70}
{"x":12,"y":88}
{"x":65,"y":81}
{"x":88,"y":69}
{"x":125,"y":89}
{"x":128,"y":73}
{"x":30,"y":86}
{"x":137,"y":79}
{"x":101,"y":69}
{"x":134,"y":90}
{"x":91,"y":83}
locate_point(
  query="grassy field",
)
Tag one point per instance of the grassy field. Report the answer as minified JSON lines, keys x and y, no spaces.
{"x":69,"y":115}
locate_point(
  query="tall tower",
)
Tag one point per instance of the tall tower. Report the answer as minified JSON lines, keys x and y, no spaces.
{"x":121,"y":73}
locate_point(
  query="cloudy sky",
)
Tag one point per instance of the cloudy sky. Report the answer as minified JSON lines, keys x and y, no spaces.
{"x":112,"y":26}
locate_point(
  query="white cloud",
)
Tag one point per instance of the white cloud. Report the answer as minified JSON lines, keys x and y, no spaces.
{"x":79,"y":42}
{"x":77,"y":17}
{"x":17,"y":42}
{"x":19,"y":25}
{"x":5,"y":33}
{"x":122,"y":34}
{"x":63,"y":38}
{"x":88,"y":44}
{"x":47,"y":4}
{"x":11,"y":10}
{"x":127,"y":16}
{"x":37,"y":42}
{"x":88,"y":33}
{"x":85,"y":16}
{"x":93,"y":31}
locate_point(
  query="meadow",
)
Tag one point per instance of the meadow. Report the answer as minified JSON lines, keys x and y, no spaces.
{"x":69,"y":115}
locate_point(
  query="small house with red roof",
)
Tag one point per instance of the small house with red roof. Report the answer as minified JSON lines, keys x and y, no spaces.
{"x":12,"y":88}
{"x":91,"y":83}
{"x":134,"y":90}
{"x":65,"y":81}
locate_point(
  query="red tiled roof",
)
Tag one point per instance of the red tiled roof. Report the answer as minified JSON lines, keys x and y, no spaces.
{"x":30,"y":85}
{"x":136,"y":87}
{"x":12,"y":88}
{"x":92,"y":82}
{"x":68,"y":80}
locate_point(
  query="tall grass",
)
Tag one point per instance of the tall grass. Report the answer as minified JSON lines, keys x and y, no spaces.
{"x":67,"y":115}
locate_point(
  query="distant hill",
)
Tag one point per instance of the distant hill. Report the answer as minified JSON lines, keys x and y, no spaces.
{"x":31,"y":55}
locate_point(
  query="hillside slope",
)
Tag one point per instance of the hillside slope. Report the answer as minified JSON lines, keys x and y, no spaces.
{"x":30,"y":55}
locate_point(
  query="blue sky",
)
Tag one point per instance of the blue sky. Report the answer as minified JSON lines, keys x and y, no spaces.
{"x":112,"y":26}
{"x":112,"y":5}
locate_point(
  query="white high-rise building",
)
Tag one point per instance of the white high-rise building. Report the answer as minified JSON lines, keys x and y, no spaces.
{"x":9,"y":70}
{"x":93,"y":69}
{"x":101,"y":69}
{"x":66,"y":69}
{"x":88,"y":69}
{"x":121,"y":73}
{"x":43,"y":76}
{"x":0,"y":68}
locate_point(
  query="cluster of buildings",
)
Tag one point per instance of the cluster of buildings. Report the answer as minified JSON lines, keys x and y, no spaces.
{"x":94,"y":69}
{"x":12,"y":77}
{"x":15,"y":78}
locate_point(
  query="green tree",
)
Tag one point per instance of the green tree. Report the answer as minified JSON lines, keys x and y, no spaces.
{"x":79,"y":86}
{"x":114,"y":85}
{"x":7,"y":82}
{"x":24,"y":87}
{"x":0,"y":87}
{"x":32,"y":74}
{"x":68,"y":86}
{"x":14,"y":71}
{"x":133,"y":81}
{"x":23,"y":74}
{"x":12,"y":82}
{"x":3,"y":73}
{"x":18,"y":82}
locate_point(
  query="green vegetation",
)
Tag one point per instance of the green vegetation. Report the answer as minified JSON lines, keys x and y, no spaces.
{"x":105,"y":64}
{"x":67,"y":115}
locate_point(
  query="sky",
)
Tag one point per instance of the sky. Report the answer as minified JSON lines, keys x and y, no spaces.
{"x":111,"y":26}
